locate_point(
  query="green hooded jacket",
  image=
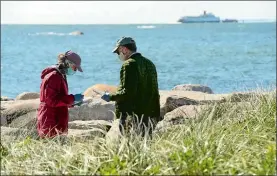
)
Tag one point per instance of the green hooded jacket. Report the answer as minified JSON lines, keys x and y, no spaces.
{"x":138,"y":91}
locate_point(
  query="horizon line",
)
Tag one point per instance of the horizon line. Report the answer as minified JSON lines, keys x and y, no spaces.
{"x":239,"y":21}
{"x":146,"y":23}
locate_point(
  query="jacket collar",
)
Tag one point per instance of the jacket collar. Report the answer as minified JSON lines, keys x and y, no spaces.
{"x":134,"y":54}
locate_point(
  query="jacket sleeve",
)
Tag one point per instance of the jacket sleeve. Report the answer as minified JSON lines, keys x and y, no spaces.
{"x":53,"y":97}
{"x":128,"y":83}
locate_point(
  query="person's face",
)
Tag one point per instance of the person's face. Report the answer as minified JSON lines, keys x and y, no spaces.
{"x":122,"y":53}
{"x":72,"y":69}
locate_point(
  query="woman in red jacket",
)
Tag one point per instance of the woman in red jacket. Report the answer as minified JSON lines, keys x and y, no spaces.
{"x":52,"y":118}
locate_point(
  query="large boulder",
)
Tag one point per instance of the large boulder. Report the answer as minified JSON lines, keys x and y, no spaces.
{"x":244,"y":96}
{"x":194,"y":87}
{"x":17,"y":109}
{"x":6,"y":104}
{"x":170,"y":100}
{"x":95,"y":109}
{"x":179,"y":115}
{"x":86,"y":133}
{"x":27,"y":96}
{"x":113,"y":136}
{"x":27,"y":121}
{"x":185,"y":112}
{"x":90,"y":124}
{"x":99,"y":87}
{"x":23,"y":112}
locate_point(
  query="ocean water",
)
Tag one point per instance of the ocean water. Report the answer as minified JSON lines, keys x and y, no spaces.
{"x":226,"y":57}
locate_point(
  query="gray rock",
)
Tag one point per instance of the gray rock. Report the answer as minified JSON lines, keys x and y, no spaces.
{"x":175,"y":101}
{"x":27,"y":96}
{"x":6,"y":104}
{"x":170,"y":100}
{"x":194,"y":87}
{"x":114,"y":135}
{"x":96,"y":109}
{"x":243,"y":96}
{"x":27,"y":121}
{"x":184,"y":112}
{"x":86,"y":134}
{"x":17,"y":109}
{"x":179,"y":115}
{"x":90,"y":124}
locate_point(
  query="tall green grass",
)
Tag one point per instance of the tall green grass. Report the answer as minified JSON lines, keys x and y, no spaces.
{"x":226,"y":138}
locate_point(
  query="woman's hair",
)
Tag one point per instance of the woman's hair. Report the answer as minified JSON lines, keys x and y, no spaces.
{"x":62,"y":64}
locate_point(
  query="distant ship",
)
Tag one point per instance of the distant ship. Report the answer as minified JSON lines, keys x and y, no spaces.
{"x":229,"y":21}
{"x":204,"y":18}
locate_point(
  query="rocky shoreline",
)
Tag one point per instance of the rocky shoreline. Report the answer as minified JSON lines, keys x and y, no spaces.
{"x":183,"y":101}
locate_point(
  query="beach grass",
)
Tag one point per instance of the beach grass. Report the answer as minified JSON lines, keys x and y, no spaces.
{"x":227,"y":138}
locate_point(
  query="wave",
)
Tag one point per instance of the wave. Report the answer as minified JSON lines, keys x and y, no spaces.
{"x":48,"y":33}
{"x":146,"y":27}
{"x":52,"y":33}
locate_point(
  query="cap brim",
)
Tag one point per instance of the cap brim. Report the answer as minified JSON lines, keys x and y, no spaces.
{"x":79,"y":69}
{"x":115,"y":49}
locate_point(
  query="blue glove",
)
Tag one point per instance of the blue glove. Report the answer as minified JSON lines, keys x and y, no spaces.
{"x":106,"y":97}
{"x":78,"y":97}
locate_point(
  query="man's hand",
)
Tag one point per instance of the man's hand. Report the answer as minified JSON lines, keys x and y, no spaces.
{"x":106,"y":96}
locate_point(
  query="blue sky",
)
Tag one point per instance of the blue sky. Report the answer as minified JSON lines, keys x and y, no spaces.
{"x":130,"y":12}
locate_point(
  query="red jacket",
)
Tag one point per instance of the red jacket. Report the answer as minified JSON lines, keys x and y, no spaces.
{"x":52,"y":117}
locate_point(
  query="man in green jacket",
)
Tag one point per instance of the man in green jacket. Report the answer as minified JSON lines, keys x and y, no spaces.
{"x":138,"y":92}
